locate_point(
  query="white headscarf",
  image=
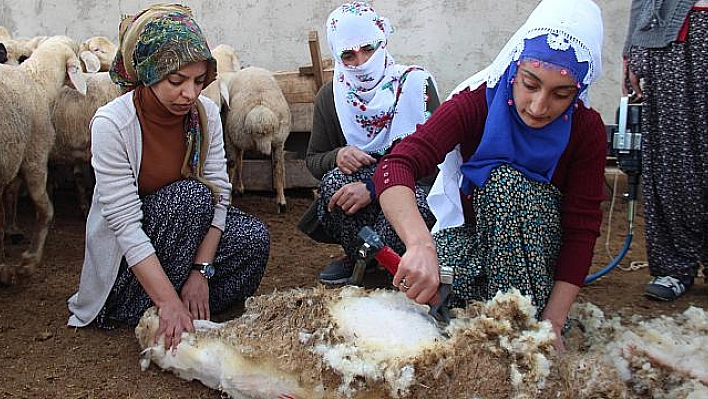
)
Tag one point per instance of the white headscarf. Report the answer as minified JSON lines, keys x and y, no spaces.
{"x":373,"y":105}
{"x":577,"y":24}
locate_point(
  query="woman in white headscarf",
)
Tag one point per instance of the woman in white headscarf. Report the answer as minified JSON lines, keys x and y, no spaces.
{"x":369,"y":106}
{"x":518,"y":196}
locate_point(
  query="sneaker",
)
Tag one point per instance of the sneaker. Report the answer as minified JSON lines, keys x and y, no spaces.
{"x":339,"y":271}
{"x":666,"y":288}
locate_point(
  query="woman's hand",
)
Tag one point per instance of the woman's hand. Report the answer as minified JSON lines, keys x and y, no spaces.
{"x":195,"y":296}
{"x":418,"y":274}
{"x":559,"y":303}
{"x":352,"y":197}
{"x":557,"y":325}
{"x":628,"y":76}
{"x":174,"y":320}
{"x":350,"y":159}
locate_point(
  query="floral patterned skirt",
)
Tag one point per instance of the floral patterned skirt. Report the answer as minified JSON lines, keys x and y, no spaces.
{"x":514,"y":243}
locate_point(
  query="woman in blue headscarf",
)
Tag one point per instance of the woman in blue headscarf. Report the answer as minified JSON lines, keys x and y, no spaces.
{"x":517,"y":200}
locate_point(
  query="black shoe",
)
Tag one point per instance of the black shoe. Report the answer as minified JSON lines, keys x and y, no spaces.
{"x":666,"y":288}
{"x":340,"y":270}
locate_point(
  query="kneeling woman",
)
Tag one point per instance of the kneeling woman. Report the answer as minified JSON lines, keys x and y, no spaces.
{"x":530,"y":165}
{"x":161,"y":230}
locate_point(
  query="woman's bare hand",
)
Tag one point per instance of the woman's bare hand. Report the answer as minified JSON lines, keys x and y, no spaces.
{"x":174,"y":320}
{"x":351,"y":198}
{"x":195,"y":296}
{"x":350,"y":159}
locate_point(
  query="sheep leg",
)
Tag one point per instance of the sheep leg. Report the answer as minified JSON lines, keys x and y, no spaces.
{"x":237,"y":178}
{"x":278,"y":167}
{"x":5,"y":275}
{"x":10,"y":197}
{"x":81,"y":180}
{"x":37,"y":188}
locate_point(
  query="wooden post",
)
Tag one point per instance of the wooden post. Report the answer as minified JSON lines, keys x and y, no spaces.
{"x":317,"y":70}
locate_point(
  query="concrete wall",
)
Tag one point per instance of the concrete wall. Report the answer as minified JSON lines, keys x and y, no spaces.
{"x":452,"y":38}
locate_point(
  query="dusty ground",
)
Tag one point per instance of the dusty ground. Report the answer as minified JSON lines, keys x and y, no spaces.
{"x":42,"y":358}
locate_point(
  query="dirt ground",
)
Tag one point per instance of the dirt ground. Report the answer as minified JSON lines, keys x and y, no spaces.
{"x":41,"y":357}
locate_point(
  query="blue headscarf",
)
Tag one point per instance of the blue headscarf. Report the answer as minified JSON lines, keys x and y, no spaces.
{"x":507,"y":139}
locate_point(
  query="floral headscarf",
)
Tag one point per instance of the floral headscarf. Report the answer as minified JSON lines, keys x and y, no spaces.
{"x":373,"y":105}
{"x":158,"y":41}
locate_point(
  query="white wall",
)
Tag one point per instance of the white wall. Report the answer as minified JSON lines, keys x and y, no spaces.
{"x":451,"y":38}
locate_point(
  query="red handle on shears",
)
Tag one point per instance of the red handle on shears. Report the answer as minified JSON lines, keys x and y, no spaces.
{"x":389,"y":259}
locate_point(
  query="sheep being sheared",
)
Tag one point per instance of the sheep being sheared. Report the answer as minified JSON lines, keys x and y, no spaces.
{"x":356,"y":343}
{"x":258,"y":119}
{"x":27,"y":92}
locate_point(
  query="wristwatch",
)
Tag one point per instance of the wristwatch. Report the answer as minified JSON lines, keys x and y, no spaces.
{"x":205,"y":269}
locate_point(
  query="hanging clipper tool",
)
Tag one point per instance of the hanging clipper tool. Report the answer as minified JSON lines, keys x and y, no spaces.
{"x":374,"y":248}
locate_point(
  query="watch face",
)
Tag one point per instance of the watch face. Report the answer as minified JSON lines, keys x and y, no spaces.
{"x":208,"y":271}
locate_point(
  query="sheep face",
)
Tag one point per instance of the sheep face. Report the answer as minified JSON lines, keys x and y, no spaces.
{"x":103,"y":49}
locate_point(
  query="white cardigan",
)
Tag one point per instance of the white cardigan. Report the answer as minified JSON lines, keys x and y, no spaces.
{"x":114,"y":224}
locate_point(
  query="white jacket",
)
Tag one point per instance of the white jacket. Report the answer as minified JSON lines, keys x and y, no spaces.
{"x":114,"y":224}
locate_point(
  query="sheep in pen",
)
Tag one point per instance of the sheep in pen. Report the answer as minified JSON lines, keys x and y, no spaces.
{"x":356,"y":343}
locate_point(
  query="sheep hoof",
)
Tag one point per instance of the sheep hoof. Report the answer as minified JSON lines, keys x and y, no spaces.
{"x":29,"y":263}
{"x":6,"y":275}
{"x":282,"y":208}
{"x":10,"y":274}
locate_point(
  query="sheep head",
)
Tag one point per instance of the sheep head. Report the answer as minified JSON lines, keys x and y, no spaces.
{"x":102,"y":48}
{"x":13,"y":52}
{"x":226,"y":58}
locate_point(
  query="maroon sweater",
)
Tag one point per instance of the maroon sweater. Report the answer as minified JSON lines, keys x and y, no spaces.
{"x":579,"y":174}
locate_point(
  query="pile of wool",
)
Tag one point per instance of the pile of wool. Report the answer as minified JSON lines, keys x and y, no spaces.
{"x":662,"y":357}
{"x":356,"y":343}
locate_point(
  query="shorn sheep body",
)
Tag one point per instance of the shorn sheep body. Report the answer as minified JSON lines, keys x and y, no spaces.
{"x":355,"y":343}
{"x":27,"y":92}
{"x":258,"y":120}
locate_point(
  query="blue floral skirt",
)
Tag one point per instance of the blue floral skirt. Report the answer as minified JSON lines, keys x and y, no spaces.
{"x":514,"y":243}
{"x":176,"y":218}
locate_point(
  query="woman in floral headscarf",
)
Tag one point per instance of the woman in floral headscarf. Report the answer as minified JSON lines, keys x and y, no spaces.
{"x":161,"y":230}
{"x":369,"y":106}
{"x":518,"y":202}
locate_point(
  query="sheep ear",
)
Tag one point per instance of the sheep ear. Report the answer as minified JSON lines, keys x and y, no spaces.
{"x":73,"y":69}
{"x":224,"y":93}
{"x":91,"y":62}
{"x":235,"y":63}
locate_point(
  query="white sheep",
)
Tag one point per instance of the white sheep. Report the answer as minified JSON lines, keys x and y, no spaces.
{"x":71,"y":116}
{"x":258,"y":119}
{"x":27,"y":93}
{"x":226,"y":61}
{"x":13,"y":52}
{"x":102,"y":48}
